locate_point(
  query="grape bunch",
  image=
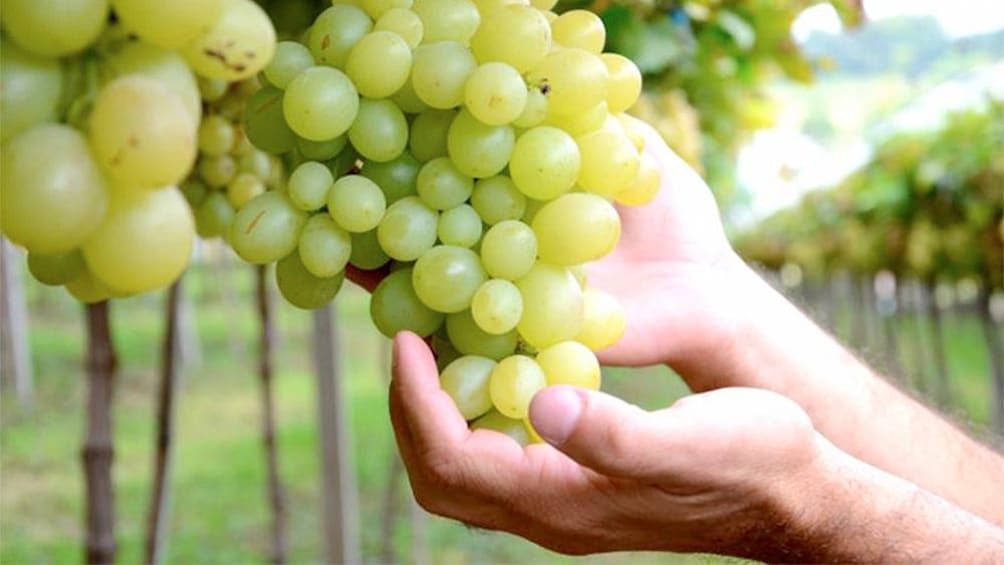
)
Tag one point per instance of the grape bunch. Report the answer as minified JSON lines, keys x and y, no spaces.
{"x":101,"y":115}
{"x":473,"y":151}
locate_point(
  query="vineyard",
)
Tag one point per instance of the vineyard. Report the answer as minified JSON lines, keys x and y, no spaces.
{"x":215,"y":213}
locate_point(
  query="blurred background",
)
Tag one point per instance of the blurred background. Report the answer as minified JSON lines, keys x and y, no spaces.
{"x":856,"y":151}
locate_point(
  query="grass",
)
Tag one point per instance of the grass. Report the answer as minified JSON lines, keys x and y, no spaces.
{"x":219,"y":512}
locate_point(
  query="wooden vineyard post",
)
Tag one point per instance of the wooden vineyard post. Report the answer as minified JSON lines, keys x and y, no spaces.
{"x":339,"y":497}
{"x":171,"y":362}
{"x":98,"y":451}
{"x":995,"y":348}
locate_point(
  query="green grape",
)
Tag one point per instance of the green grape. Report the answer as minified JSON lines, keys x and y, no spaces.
{"x":576,"y":228}
{"x":309,"y":185}
{"x":214,"y":216}
{"x":324,"y":247}
{"x":470,"y":339}
{"x":168,"y":24}
{"x":407,"y":99}
{"x":366,"y":251}
{"x":239,"y":45}
{"x":576,"y":80}
{"x":495,"y":94}
{"x":321,"y":150}
{"x":291,"y":58}
{"x":460,"y":226}
{"x":257,"y":163}
{"x":580,"y":274}
{"x":54,"y":29}
{"x":545,"y":163}
{"x":513,"y":383}
{"x":216,"y":136}
{"x":395,"y":178}
{"x":439,"y":73}
{"x":408,"y":229}
{"x":442,"y":186}
{"x":320,"y":103}
{"x":570,"y":363}
{"x":144,"y":242}
{"x":447,"y":20}
{"x":210,"y":89}
{"x":88,"y":289}
{"x":552,"y":306}
{"x":301,"y":288}
{"x":624,"y":86}
{"x":356,"y":203}
{"x":479,"y":150}
{"x":405,"y":23}
{"x":609,"y":162}
{"x":645,"y":187}
{"x":632,"y":127}
{"x":446,"y":278}
{"x":532,"y":207}
{"x":30,"y":89}
{"x":580,"y":124}
{"x":377,"y":8}
{"x":194,"y":191}
{"x":380,"y":131}
{"x":336,"y":31}
{"x":264,"y":123}
{"x":141,"y":133}
{"x":535,"y":110}
{"x":165,"y":66}
{"x":443,"y":350}
{"x":543,"y":5}
{"x":486,"y":7}
{"x":216,"y":172}
{"x":580,"y":28}
{"x":509,"y":250}
{"x":496,"y":199}
{"x":513,"y":34}
{"x":428,"y":134}
{"x":267,"y":228}
{"x":53,"y":193}
{"x":394,"y":307}
{"x":497,"y":306}
{"x":466,"y":381}
{"x":56,"y":269}
{"x":379,"y":64}
{"x":496,"y":422}
{"x":603,"y":322}
{"x":243,"y":188}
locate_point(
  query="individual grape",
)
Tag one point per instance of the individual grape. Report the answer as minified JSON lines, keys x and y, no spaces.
{"x":624,"y":86}
{"x":214,"y":216}
{"x":379,"y":64}
{"x":396,"y":178}
{"x":407,"y":99}
{"x":320,"y":103}
{"x":267,"y":228}
{"x":30,"y":89}
{"x":441,"y":186}
{"x":609,"y":162}
{"x":291,"y":58}
{"x":264,"y":123}
{"x":552,"y":306}
{"x":604,"y":320}
{"x":460,"y":226}
{"x":309,"y":185}
{"x":514,"y":34}
{"x":243,"y":188}
{"x":495,"y":94}
{"x":545,"y":163}
{"x":405,"y":23}
{"x":380,"y":131}
{"x":535,"y":110}
{"x":496,"y":199}
{"x":513,"y":383}
{"x":88,"y":289}
{"x":497,"y":306}
{"x":446,"y":277}
{"x":239,"y":45}
{"x":447,"y":20}
{"x":509,"y":250}
{"x":570,"y":363}
{"x":324,"y":247}
{"x":479,"y":150}
{"x":440,"y":71}
{"x":210,"y":89}
{"x":576,"y":228}
{"x":53,"y":193}
{"x":216,"y":172}
{"x":356,"y":203}
{"x":580,"y":124}
{"x":336,"y":31}
{"x":645,"y":187}
{"x":470,"y":339}
{"x":141,"y":133}
{"x":321,"y":150}
{"x":428,"y":134}
{"x":394,"y":307}
{"x":56,"y":269}
{"x":168,"y":24}
{"x":162,"y":65}
{"x":580,"y":28}
{"x":632,"y":128}
{"x":576,"y":80}
{"x":194,"y":191}
{"x":543,"y":5}
{"x":301,"y":288}
{"x":54,"y":29}
{"x":144,"y":242}
{"x":496,"y":422}
{"x":466,"y":381}
{"x":366,"y":251}
{"x":408,"y":229}
{"x":443,"y":350}
{"x":216,"y":136}
{"x":377,"y":8}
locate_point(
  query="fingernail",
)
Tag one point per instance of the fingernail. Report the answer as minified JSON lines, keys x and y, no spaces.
{"x":555,"y":412}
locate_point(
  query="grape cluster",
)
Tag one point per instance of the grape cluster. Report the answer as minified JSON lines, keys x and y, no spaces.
{"x":474,"y":150}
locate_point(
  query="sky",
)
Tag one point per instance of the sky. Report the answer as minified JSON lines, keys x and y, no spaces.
{"x":957,"y":17}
